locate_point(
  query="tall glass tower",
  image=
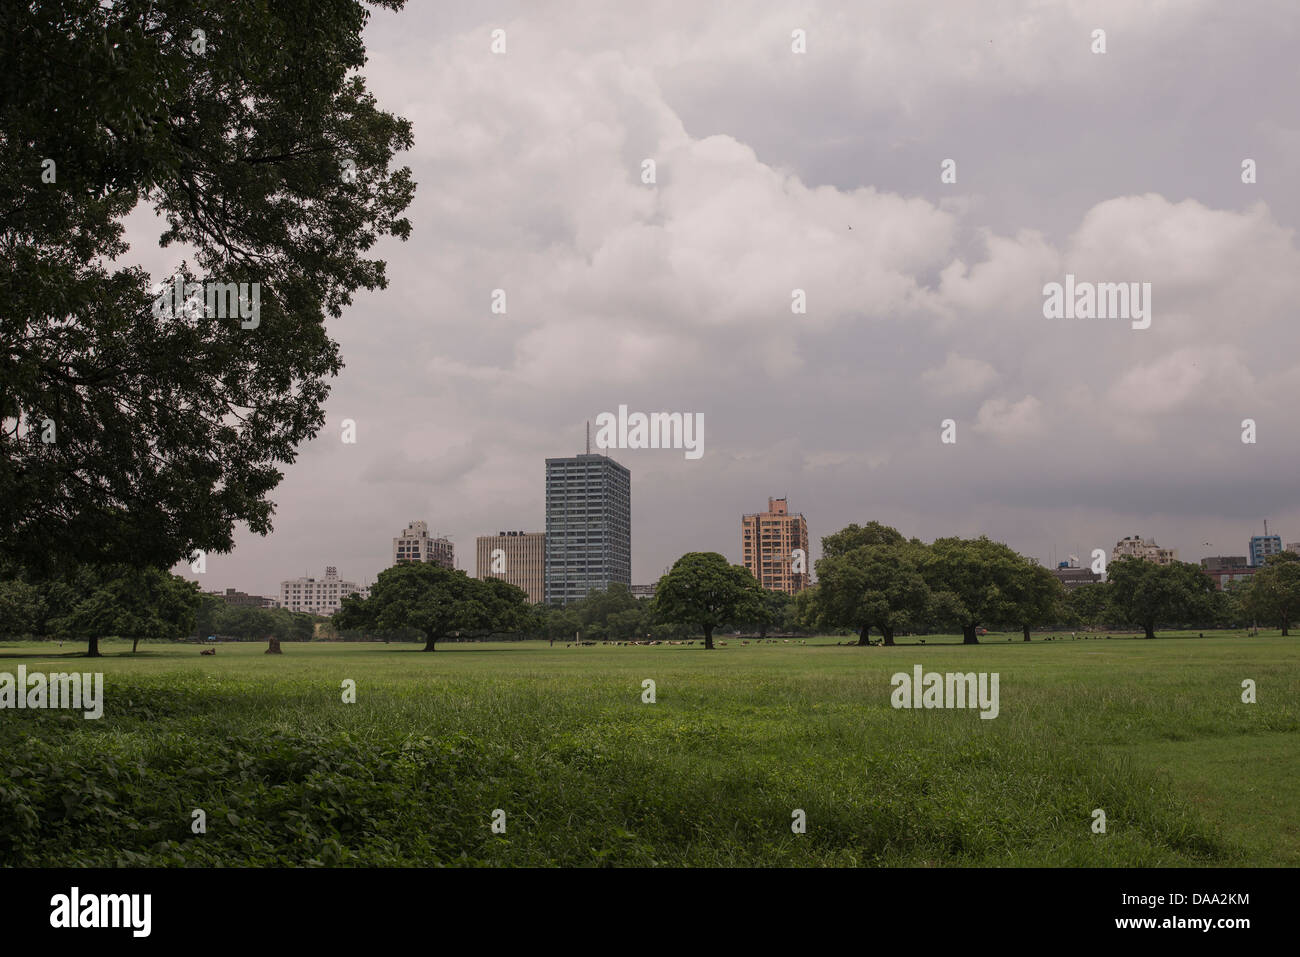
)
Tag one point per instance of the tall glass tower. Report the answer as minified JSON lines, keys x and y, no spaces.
{"x":588,"y":526}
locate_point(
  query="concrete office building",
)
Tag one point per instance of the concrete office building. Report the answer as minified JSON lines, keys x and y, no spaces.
{"x":588,"y":526}
{"x":241,"y":599}
{"x":768,"y":541}
{"x":319,"y":596}
{"x":417,"y":545}
{"x":516,"y":557}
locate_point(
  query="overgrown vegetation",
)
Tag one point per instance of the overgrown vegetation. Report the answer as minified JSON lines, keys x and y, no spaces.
{"x":587,"y":774}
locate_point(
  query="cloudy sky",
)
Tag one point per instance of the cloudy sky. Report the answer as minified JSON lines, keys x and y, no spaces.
{"x":821,"y":171}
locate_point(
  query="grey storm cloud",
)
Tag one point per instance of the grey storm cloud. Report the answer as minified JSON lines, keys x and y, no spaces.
{"x":820,"y":171}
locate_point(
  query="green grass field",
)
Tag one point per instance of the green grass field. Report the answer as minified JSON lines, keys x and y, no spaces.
{"x":1152,"y":732}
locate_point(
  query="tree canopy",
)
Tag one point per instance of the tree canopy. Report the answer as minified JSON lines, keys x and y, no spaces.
{"x":975,"y":582}
{"x":437,"y":602}
{"x":1143,"y":592}
{"x":134,"y":434}
{"x":1273,"y":592}
{"x":856,"y":536}
{"x":130,"y":603}
{"x":702,"y":588}
{"x":876,"y":585}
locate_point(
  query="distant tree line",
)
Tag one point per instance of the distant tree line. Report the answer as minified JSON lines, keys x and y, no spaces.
{"x":614,"y":614}
{"x":121,"y":601}
{"x":1142,"y":594}
{"x":215,"y":616}
{"x":97,"y":601}
{"x":871,"y":581}
{"x":872,"y":578}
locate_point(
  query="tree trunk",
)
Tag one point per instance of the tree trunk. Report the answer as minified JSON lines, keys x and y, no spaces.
{"x":889,"y":636}
{"x":1150,"y":627}
{"x":1026,"y":632}
{"x":708,"y":637}
{"x":968,"y":636}
{"x":864,"y":636}
{"x":1285,"y":623}
{"x":429,"y":642}
{"x":93,"y":651}
{"x":135,"y":643}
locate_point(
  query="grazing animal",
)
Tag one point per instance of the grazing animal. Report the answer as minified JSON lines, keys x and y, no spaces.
{"x":208,"y":651}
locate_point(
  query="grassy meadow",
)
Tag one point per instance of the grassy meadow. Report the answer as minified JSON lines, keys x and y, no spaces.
{"x":1152,"y":732}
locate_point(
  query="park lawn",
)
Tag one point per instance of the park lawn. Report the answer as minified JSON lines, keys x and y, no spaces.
{"x":1246,"y":784}
{"x":1152,"y":732}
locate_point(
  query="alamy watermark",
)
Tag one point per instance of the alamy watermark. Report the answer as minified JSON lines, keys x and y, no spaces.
{"x":75,"y":909}
{"x":215,"y":300}
{"x":656,"y":430}
{"x":952,"y":690}
{"x":1102,"y":300}
{"x":82,"y":691}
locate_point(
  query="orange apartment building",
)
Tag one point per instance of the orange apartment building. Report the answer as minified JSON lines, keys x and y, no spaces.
{"x":768,"y":541}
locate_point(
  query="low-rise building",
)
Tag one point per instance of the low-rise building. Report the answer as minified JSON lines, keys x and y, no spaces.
{"x":1135,"y":546}
{"x":1072,"y":576}
{"x":1224,"y":563}
{"x":1222,"y":579}
{"x":240,"y":599}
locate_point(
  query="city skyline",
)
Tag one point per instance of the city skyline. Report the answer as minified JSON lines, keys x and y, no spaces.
{"x":735,"y":554}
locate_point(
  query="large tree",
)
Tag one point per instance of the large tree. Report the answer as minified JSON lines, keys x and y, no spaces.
{"x":856,"y":536}
{"x":135,"y":434}
{"x":130,"y":603}
{"x":1039,"y":597}
{"x":1144,"y":593}
{"x":20,"y":608}
{"x":975,"y":582}
{"x":609,"y":614}
{"x":702,"y":588}
{"x":869,"y":586}
{"x":1273,"y":592}
{"x":1089,"y":604}
{"x":437,"y":602}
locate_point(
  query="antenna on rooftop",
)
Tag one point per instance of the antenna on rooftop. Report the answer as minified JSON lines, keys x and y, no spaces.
{"x":589,"y":446}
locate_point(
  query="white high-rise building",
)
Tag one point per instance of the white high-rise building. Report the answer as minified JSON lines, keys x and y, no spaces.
{"x":319,"y":596}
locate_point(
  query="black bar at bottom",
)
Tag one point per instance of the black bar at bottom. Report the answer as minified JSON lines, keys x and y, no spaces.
{"x":332,"y":906}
